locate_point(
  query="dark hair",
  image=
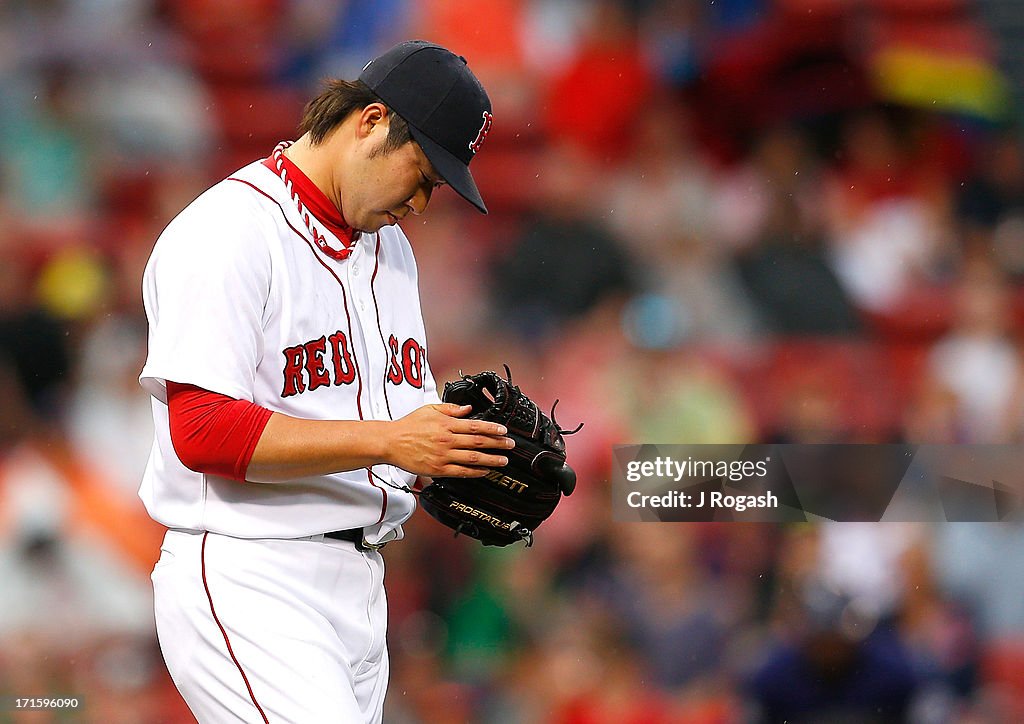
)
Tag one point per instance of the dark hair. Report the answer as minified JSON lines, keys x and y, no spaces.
{"x":338,"y":100}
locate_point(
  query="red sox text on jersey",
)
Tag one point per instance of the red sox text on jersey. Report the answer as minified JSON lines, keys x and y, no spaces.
{"x":327,"y":360}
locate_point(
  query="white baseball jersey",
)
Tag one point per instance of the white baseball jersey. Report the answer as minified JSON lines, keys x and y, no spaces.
{"x":243,"y":301}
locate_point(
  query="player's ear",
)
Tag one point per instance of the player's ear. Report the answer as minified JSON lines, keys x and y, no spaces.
{"x":373,"y":119}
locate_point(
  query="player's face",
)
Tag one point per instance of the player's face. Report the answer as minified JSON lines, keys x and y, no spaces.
{"x":388,"y":186}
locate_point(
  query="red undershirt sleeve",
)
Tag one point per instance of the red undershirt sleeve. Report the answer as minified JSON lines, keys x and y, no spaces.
{"x":214,"y":433}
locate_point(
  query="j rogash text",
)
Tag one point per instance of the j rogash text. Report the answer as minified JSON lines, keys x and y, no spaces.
{"x":702,"y":499}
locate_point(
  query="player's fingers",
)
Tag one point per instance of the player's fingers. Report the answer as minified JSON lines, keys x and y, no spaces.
{"x":478,"y":427}
{"x":461,"y":471}
{"x":468,"y":442}
{"x":477,"y":458}
{"x":453,"y":410}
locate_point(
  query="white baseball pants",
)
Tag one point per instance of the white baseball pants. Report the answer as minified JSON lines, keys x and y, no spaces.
{"x":275,"y":631}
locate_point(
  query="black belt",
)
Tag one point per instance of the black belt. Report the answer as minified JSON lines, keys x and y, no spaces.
{"x":353,"y":535}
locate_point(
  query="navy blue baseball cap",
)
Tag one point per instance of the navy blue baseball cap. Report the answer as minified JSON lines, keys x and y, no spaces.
{"x":448,"y":111}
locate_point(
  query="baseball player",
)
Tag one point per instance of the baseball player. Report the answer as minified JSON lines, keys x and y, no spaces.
{"x":293,"y":401}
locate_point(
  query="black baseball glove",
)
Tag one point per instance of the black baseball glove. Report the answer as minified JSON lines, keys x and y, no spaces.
{"x":508,"y":503}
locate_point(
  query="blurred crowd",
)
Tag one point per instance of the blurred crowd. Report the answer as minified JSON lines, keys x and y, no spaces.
{"x":717,"y":221}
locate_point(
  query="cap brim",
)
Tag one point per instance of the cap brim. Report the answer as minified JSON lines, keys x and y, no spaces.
{"x":455,"y":173}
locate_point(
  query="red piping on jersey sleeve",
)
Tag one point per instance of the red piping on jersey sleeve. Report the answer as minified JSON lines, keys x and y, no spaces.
{"x":214,"y":433}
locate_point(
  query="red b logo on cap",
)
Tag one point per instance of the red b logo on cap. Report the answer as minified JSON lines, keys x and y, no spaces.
{"x":482,"y":133}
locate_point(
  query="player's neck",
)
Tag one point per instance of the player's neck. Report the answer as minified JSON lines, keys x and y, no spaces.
{"x":315,"y":163}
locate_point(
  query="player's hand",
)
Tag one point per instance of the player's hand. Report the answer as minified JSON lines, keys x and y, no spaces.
{"x":436,"y":440}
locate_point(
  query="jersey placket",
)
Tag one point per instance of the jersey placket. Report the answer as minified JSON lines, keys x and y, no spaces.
{"x":358,"y":270}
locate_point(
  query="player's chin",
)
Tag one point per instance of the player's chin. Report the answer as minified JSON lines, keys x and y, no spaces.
{"x":378,"y":222}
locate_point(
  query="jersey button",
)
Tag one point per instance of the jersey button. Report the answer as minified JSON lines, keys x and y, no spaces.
{"x":355,"y":269}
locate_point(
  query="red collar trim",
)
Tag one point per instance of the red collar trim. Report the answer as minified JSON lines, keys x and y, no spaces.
{"x":312,"y":199}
